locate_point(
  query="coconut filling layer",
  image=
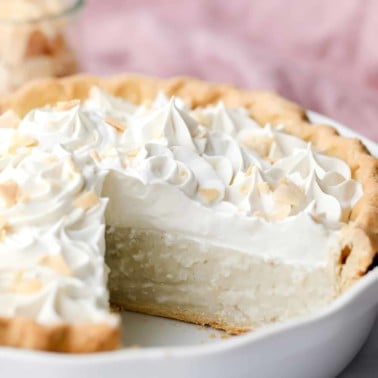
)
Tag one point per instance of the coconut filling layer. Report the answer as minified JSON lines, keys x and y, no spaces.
{"x":210,"y":217}
{"x":194,"y":280}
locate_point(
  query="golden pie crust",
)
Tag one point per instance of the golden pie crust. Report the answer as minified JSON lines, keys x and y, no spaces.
{"x":68,"y":338}
{"x":359,"y":236}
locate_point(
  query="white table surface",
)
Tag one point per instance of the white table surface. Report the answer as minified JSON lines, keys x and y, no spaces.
{"x":365,"y":364}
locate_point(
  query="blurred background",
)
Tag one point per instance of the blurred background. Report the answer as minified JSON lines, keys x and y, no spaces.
{"x":320,"y":53}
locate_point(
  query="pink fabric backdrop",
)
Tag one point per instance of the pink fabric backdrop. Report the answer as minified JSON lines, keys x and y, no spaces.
{"x":320,"y":53}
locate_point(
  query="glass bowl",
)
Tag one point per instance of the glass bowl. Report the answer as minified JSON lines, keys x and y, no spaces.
{"x":39,"y":38}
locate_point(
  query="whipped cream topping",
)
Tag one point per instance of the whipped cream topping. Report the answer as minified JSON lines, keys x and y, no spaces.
{"x":222,"y":158}
{"x":51,"y":248}
{"x":209,"y":173}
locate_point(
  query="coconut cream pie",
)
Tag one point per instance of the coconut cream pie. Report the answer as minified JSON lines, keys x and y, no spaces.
{"x":178,"y":198}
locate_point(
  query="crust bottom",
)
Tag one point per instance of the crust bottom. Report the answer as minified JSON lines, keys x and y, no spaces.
{"x":67,"y":338}
{"x":183,"y":315}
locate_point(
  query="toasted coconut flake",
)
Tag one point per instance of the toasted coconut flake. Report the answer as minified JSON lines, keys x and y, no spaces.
{"x":244,"y":188}
{"x":56,"y":263}
{"x":209,"y":195}
{"x":287,"y":193}
{"x":317,"y":218}
{"x":133,"y":153}
{"x":20,"y":285}
{"x":87,"y":200}
{"x":263,"y":188}
{"x":115,"y":124}
{"x":95,"y":155}
{"x":62,"y":106}
{"x":73,"y":166}
{"x":22,"y":141}
{"x":51,"y":159}
{"x":9,"y":120}
{"x":9,"y":193}
{"x":259,"y":143}
{"x":4,"y":227}
{"x":249,"y":171}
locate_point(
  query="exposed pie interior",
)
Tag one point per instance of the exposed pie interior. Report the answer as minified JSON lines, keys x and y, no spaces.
{"x":177,"y":198}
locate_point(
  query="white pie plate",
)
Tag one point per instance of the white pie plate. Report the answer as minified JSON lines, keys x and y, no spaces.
{"x":320,"y":345}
